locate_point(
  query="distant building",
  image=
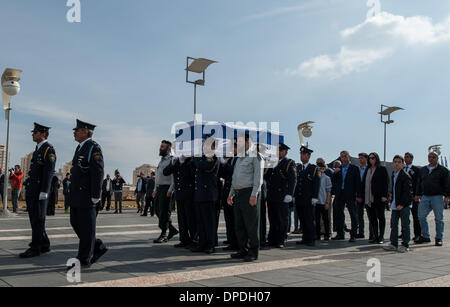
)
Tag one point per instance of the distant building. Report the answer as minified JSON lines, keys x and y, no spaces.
{"x":147,"y":169}
{"x":25,"y":164}
{"x":66,"y":168}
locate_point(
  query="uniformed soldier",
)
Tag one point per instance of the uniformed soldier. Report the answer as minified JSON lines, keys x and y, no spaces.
{"x":263,"y":213}
{"x":281,"y":182}
{"x":245,"y":197}
{"x":41,"y":173}
{"x":306,"y":194}
{"x":206,"y":195}
{"x":183,"y":172}
{"x":85,"y":193}
{"x":162,"y":194}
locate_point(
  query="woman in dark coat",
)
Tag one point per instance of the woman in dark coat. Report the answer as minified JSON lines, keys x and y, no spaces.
{"x":374,"y":193}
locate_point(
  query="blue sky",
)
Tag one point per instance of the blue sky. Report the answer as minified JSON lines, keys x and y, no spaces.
{"x":122,"y":68}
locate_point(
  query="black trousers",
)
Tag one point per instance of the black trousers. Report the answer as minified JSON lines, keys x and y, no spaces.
{"x":206,"y":224}
{"x":229,"y":222}
{"x":186,"y":220}
{"x":339,"y":208}
{"x":106,"y":198}
{"x":279,"y":222}
{"x":360,"y":211}
{"x":378,"y":220}
{"x":263,"y":222}
{"x":307,"y":217}
{"x":218,"y":205}
{"x":149,"y":205}
{"x":37,"y":210}
{"x":321,"y":213}
{"x":163,"y":209}
{"x":83,"y":221}
{"x":66,"y":202}
{"x":416,"y":223}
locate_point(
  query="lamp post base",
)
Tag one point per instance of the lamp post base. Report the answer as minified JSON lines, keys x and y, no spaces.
{"x":7,"y":213}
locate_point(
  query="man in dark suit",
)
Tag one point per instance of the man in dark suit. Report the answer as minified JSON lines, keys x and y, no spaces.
{"x":107,"y":190}
{"x":53,"y":197}
{"x":66,"y":193}
{"x":183,"y":173}
{"x":413,"y":172}
{"x":347,"y":179}
{"x":2,"y":183}
{"x":281,"y":182}
{"x":205,"y":196}
{"x":149,"y":196}
{"x":85,"y":194}
{"x":401,"y":198}
{"x":306,"y":196}
{"x":40,"y":176}
{"x":141,"y":190}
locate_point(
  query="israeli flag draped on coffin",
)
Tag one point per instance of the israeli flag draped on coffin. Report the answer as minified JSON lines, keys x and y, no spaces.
{"x":189,"y":138}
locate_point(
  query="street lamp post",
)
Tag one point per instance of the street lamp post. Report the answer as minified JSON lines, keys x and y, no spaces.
{"x":386,"y":111}
{"x":198,"y":66}
{"x":10,"y":87}
{"x":304,"y":131}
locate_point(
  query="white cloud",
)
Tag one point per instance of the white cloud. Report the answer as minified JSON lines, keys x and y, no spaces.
{"x":373,"y":40}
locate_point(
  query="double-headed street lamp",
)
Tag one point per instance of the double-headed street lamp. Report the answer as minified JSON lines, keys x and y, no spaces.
{"x":385,"y":113}
{"x":198,"y":66}
{"x":10,"y":87}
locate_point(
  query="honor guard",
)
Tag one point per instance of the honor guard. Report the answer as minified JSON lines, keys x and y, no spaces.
{"x":183,"y":172}
{"x":281,"y":182}
{"x":306,"y":194}
{"x":40,"y":177}
{"x":85,"y":193}
{"x":205,"y":196}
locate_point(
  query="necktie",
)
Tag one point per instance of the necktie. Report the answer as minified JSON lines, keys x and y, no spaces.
{"x":78,"y":148}
{"x":407,"y":168}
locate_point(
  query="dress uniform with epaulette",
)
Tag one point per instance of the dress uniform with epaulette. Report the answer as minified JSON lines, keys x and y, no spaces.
{"x":39,"y":181}
{"x":183,"y":172}
{"x":86,"y":186}
{"x":206,"y":195}
{"x":307,"y":190}
{"x":281,"y":182}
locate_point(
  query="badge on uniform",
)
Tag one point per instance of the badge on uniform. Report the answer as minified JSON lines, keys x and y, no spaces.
{"x":52,"y":158}
{"x":97,"y":156}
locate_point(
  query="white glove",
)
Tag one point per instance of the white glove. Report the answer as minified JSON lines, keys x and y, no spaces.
{"x":182,"y":159}
{"x":43,"y":196}
{"x":288,"y":199}
{"x":314,"y":201}
{"x":224,"y":160}
{"x":95,"y":200}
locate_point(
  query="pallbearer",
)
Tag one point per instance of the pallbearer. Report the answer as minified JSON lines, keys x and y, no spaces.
{"x":41,"y":173}
{"x":85,"y":193}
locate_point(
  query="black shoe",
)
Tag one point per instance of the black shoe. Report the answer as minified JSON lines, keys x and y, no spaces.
{"x":172,"y":233}
{"x":360,"y":236}
{"x":98,"y":255}
{"x":250,"y":258}
{"x":380,"y":242}
{"x":181,"y":245}
{"x":160,"y":240}
{"x":116,"y":212}
{"x":29,"y":253}
{"x":230,"y":248}
{"x":197,"y":250}
{"x":338,"y":238}
{"x":352,"y":240}
{"x":423,"y":240}
{"x":144,"y":214}
{"x":45,"y":250}
{"x":238,"y":256}
{"x":373,"y":241}
{"x":210,"y":251}
{"x":416,"y":239}
{"x":439,"y":242}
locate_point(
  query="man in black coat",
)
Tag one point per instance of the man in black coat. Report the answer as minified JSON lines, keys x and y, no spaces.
{"x":401,"y":199}
{"x":347,"y":179}
{"x":413,"y":172}
{"x":85,"y":194}
{"x":66,"y":192}
{"x":40,"y":176}
{"x":149,"y":196}
{"x":141,"y":190}
{"x":306,"y":196}
{"x":183,"y":172}
{"x":53,"y":197}
{"x":281,"y":182}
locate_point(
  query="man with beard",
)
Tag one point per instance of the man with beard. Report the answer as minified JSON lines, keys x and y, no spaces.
{"x":41,"y":173}
{"x":162,"y":193}
{"x":183,"y":171}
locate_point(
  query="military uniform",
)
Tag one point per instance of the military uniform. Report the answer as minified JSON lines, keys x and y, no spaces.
{"x":39,"y":181}
{"x":226,"y":172}
{"x":184,"y":173}
{"x":281,"y":182}
{"x":206,"y":195}
{"x":86,"y":185}
{"x":307,"y":189}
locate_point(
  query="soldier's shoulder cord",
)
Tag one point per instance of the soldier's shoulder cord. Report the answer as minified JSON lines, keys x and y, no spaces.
{"x":284,"y":175}
{"x":214,"y":167}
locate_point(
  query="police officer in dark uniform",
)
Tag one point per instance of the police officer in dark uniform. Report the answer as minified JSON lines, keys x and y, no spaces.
{"x":281,"y":182}
{"x":183,"y":172}
{"x":41,"y":173}
{"x":306,"y":194}
{"x":205,"y":196}
{"x":85,"y":193}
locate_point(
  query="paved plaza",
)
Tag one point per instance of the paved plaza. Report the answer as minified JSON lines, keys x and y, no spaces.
{"x":133,"y":260}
